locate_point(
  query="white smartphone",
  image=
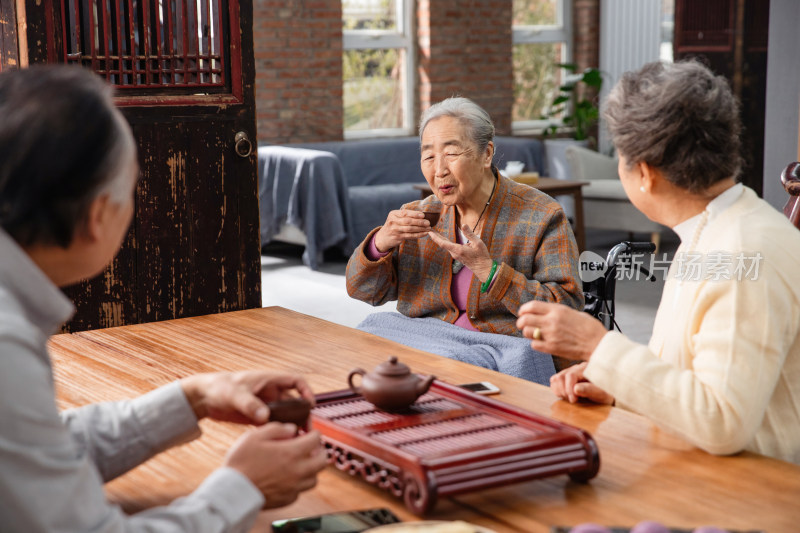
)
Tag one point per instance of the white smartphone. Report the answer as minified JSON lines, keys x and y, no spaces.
{"x":481,"y":387}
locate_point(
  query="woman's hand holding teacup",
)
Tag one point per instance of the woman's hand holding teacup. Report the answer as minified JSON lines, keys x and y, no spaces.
{"x":401,"y":225}
{"x":473,"y":253}
{"x":560,"y":330}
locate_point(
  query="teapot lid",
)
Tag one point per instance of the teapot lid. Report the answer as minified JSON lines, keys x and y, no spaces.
{"x":393,"y":368}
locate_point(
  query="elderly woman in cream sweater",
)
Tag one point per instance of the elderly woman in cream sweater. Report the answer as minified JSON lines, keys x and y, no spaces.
{"x":722,"y":368}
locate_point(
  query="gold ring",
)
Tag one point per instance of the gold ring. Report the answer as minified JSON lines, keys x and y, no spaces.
{"x":537,"y":334}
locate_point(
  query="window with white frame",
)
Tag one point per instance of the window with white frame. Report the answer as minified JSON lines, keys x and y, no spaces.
{"x":542,"y":33}
{"x":377,"y":67}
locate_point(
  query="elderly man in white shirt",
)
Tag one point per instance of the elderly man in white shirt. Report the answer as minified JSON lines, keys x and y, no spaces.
{"x":67,"y":175}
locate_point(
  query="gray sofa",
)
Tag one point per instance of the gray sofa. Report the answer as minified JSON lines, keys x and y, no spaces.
{"x":333,"y":193}
{"x":605,"y":204}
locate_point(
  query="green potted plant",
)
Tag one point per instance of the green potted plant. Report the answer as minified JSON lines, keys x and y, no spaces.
{"x":575,"y":102}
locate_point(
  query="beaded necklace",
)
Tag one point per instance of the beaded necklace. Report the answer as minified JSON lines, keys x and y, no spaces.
{"x":701,"y":225}
{"x":458,"y":265}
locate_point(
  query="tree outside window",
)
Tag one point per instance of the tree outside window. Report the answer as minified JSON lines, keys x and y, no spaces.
{"x":541,"y":31}
{"x":377,"y":67}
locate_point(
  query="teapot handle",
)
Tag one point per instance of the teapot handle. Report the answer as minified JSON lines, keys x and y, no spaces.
{"x":360,"y":372}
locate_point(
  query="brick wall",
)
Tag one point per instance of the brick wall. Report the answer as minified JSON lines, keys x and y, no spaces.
{"x":465,"y":49}
{"x":298,"y":58}
{"x":586,"y":38}
{"x":586,"y":33}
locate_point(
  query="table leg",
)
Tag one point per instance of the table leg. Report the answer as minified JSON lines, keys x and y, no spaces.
{"x":580,"y":236}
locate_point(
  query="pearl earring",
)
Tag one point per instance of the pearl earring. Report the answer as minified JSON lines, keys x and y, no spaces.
{"x":642,"y":188}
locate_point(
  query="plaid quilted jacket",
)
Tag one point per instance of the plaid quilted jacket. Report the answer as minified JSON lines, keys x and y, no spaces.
{"x":526,"y":232}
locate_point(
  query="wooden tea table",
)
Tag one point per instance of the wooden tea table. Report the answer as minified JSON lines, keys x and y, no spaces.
{"x":644,"y":472}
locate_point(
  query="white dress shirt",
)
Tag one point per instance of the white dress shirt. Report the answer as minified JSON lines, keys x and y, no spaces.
{"x":53,"y":466}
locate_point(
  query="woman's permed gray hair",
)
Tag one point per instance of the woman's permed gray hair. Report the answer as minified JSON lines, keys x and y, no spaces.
{"x":476,"y":121}
{"x":679,"y":118}
{"x":62,"y":144}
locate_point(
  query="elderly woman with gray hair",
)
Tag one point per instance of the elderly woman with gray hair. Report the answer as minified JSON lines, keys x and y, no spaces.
{"x":496,"y":245}
{"x":722,"y":368}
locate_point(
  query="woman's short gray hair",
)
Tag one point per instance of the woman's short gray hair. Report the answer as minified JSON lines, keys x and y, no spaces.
{"x":476,"y":121}
{"x":679,"y":118}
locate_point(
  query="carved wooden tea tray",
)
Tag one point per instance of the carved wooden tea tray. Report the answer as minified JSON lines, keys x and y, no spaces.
{"x":451,"y":441}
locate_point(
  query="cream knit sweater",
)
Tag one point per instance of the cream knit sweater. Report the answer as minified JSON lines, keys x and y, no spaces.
{"x":722,"y":368}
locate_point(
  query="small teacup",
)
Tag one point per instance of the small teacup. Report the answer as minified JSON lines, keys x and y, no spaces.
{"x":432,"y":213}
{"x":290,"y":410}
{"x":432,"y":216}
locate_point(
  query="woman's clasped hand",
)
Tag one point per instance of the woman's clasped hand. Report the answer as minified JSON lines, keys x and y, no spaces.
{"x":571,"y":385}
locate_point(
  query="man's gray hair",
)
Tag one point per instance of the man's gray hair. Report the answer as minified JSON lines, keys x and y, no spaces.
{"x":62,"y":144}
{"x":476,"y":121}
{"x":115,"y":167}
{"x":679,"y":118}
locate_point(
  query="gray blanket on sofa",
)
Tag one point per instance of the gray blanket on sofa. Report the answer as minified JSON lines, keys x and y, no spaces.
{"x":336,"y":192}
{"x":509,"y":355}
{"x":306,"y":189}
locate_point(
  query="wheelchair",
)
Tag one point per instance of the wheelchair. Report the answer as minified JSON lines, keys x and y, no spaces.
{"x":599,"y":293}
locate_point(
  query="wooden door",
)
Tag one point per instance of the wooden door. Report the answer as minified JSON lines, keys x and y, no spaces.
{"x":184,"y":75}
{"x":731,"y":37}
{"x":9,"y":50}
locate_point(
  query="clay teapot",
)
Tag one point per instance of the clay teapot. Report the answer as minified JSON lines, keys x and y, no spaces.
{"x":391,"y":386}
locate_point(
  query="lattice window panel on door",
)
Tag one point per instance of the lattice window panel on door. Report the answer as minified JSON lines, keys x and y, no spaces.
{"x":140,"y":44}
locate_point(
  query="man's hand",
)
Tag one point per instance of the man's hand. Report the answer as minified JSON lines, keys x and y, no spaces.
{"x":280,"y":464}
{"x":241,"y":396}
